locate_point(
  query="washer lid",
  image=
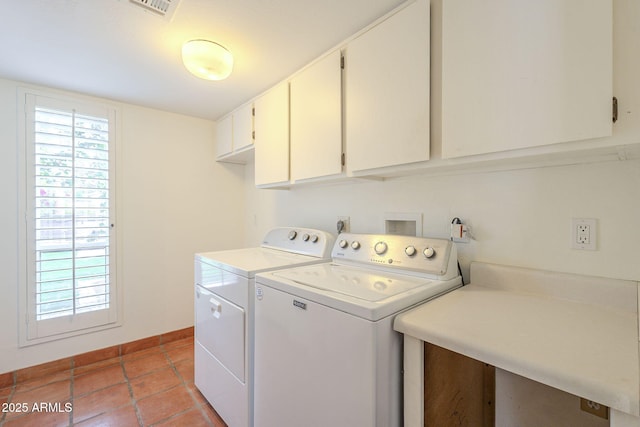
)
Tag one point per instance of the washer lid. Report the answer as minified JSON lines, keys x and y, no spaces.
{"x":366,"y":285}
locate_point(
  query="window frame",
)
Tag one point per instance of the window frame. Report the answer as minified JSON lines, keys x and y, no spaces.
{"x":32,"y":331}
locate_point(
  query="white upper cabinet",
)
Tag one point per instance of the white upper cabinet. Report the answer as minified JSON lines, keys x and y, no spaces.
{"x":243,"y":127}
{"x":387,"y":91}
{"x":316,"y":119}
{"x":224,"y":136}
{"x":234,"y":135}
{"x":522,"y":73}
{"x":271,"y":124}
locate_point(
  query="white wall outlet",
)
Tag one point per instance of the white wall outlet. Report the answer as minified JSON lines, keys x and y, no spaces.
{"x":343,"y":224}
{"x":584,"y":234}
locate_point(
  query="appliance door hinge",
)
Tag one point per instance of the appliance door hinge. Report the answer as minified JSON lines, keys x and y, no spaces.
{"x":614,"y":109}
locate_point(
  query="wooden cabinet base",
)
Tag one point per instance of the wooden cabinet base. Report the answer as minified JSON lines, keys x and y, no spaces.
{"x":458,"y":390}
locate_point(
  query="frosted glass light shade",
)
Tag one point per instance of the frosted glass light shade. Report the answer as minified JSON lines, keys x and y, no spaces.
{"x":207,"y":60}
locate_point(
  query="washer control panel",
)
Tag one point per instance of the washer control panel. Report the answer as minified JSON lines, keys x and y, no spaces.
{"x":419,"y":254}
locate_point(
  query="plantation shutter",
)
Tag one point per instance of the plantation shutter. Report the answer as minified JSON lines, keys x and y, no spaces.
{"x":70,"y":217}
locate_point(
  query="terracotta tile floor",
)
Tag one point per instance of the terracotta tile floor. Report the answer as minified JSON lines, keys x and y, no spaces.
{"x":152,"y":387}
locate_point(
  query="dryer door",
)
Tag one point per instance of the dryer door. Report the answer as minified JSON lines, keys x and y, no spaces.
{"x":220,"y":328}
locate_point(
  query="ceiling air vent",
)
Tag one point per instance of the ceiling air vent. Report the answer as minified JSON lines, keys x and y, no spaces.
{"x":164,"y":8}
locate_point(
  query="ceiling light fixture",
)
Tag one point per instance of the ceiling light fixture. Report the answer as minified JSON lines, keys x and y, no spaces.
{"x":207,"y":60}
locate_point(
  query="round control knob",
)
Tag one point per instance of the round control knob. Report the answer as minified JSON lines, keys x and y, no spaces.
{"x":355,"y":245}
{"x":410,"y":250}
{"x":380,"y":248}
{"x":292,"y":234}
{"x":305,"y":237}
{"x":343,"y":244}
{"x":314,"y":238}
{"x":429,"y":252}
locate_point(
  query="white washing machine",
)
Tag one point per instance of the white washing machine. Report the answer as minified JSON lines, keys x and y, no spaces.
{"x":224,"y":300}
{"x":326,"y":353}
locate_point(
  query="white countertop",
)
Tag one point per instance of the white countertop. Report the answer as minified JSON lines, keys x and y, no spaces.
{"x":575,"y":333}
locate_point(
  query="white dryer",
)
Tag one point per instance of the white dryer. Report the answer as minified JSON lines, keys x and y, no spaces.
{"x":326,"y":353}
{"x":224,"y":321}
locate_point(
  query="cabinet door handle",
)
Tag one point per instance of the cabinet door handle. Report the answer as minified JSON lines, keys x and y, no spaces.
{"x":216,"y":308}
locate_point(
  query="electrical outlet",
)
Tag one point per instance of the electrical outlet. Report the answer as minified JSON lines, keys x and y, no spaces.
{"x":594,"y":408}
{"x":460,"y":233}
{"x":343,"y":225}
{"x":583,"y":233}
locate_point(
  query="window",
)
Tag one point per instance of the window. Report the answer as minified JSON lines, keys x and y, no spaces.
{"x":69,"y":228}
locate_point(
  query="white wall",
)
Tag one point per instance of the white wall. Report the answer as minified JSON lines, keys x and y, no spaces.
{"x":174,"y":200}
{"x":518,"y":217}
{"x":525,"y":403}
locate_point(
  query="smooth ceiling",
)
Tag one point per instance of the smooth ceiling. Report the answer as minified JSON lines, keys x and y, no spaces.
{"x":117,"y":50}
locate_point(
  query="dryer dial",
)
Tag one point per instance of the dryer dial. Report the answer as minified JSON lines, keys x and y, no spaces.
{"x":292,"y":234}
{"x":429,"y":252}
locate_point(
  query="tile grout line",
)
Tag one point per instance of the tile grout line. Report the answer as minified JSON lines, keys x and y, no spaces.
{"x":10,"y":397}
{"x":134,"y":401}
{"x":131,"y":399}
{"x":191,"y":394}
{"x":182,"y":384}
{"x":127,"y":381}
{"x":71,"y":390}
{"x":173,"y":336}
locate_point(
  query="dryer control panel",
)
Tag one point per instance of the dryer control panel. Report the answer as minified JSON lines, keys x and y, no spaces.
{"x":304,"y":241}
{"x":425,"y":256}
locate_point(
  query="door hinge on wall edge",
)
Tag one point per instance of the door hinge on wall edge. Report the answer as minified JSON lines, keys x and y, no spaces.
{"x":342,"y":159}
{"x":614,"y":109}
{"x":342,"y":62}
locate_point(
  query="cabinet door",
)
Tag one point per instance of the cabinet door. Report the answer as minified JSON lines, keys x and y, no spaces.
{"x":521,"y":73}
{"x":224,"y":136}
{"x":387,"y":92}
{"x":271,"y":124}
{"x":243,"y":127}
{"x":316,"y":119}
